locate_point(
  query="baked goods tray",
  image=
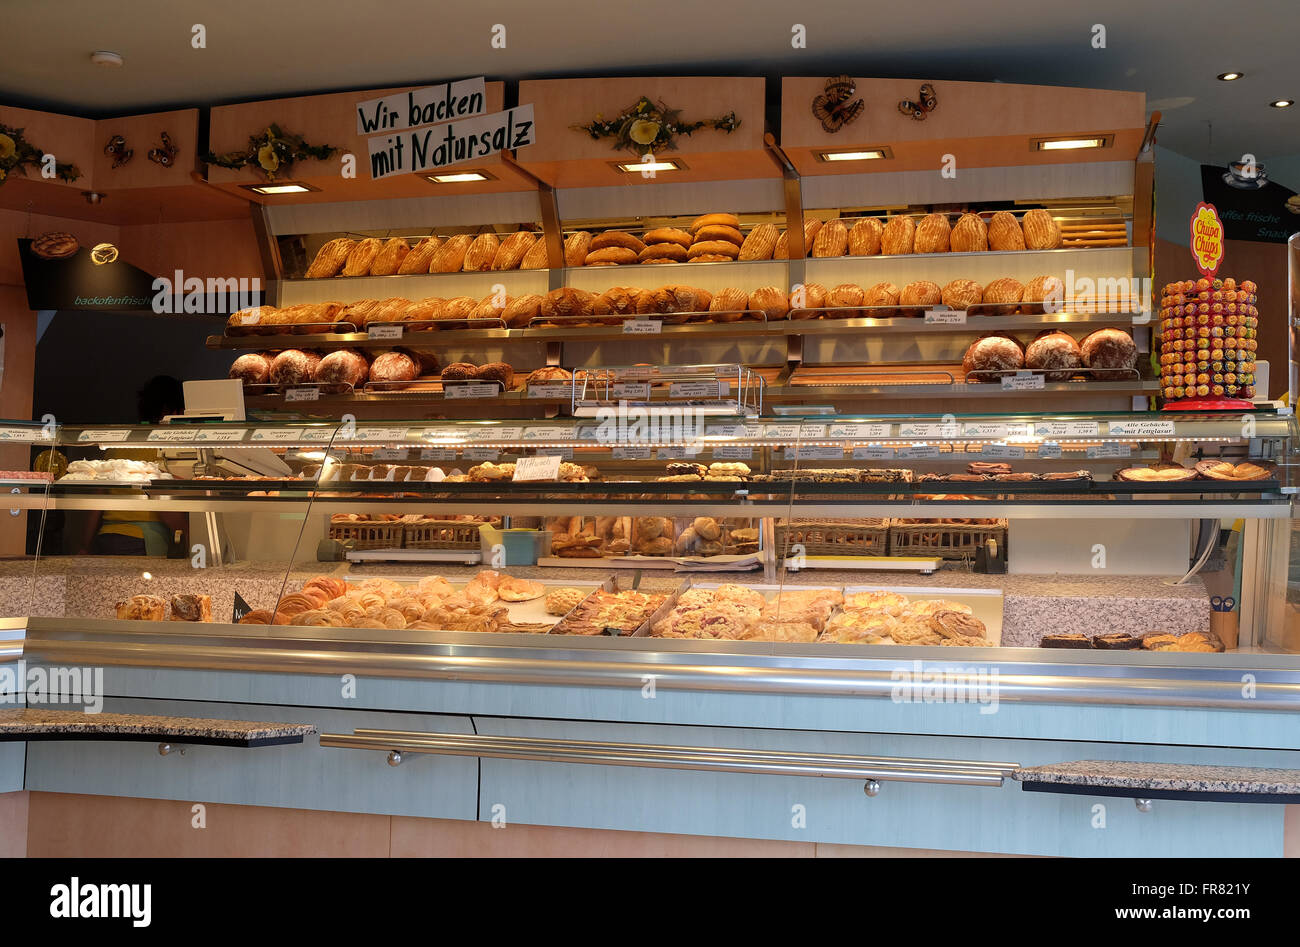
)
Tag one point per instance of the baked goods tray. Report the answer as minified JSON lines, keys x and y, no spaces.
{"x":985,"y":604}
{"x":923,"y":564}
{"x":667,"y":318}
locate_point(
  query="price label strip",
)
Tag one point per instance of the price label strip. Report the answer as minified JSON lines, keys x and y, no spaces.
{"x":1142,"y":428}
{"x":102,"y":437}
{"x":1067,"y":428}
{"x":220,"y":435}
{"x":874,"y":452}
{"x":302,"y":394}
{"x":471,"y":390}
{"x":642,"y":327}
{"x":1022,"y":381}
{"x":384,"y":332}
{"x":945,"y":317}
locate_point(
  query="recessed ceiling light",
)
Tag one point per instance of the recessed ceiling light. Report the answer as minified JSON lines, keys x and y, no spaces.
{"x":656,"y":165}
{"x":459,"y":177}
{"x":1071,"y":144}
{"x":289,"y":188}
{"x":864,"y":154}
{"x":1282,"y":103}
{"x":1230,"y":76}
{"x":105,"y":57}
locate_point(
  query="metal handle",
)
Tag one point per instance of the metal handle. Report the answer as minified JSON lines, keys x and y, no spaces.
{"x":166,"y":749}
{"x":710,"y":759}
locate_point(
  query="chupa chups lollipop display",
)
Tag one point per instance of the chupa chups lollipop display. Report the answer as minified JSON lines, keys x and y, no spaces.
{"x":1208,"y":331}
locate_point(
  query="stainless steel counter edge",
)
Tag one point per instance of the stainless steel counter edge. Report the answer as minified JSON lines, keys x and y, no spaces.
{"x":1013,"y":674}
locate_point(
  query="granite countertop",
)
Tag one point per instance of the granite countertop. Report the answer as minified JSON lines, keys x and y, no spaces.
{"x":1166,"y":777}
{"x":36,"y":722}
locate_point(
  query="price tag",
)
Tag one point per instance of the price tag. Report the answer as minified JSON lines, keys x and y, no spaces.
{"x":642,"y":327}
{"x":1007,"y":451}
{"x":814,"y":453}
{"x":564,"y":453}
{"x":812,"y":432}
{"x":923,"y":452}
{"x":384,"y":332}
{"x":314,"y":434}
{"x":859,"y":431}
{"x":276,"y":434}
{"x":632,"y":390}
{"x":549,"y":391}
{"x":471,"y":390}
{"x":549,"y":433}
{"x":1067,"y":428}
{"x":1142,"y":428}
{"x":440,"y":434}
{"x":23,"y":434}
{"x":302,"y":394}
{"x":780,"y":432}
{"x":537,"y":468}
{"x":437,"y":453}
{"x":379,"y":434}
{"x":733,"y":453}
{"x":502,"y":434}
{"x":631,"y":453}
{"x":102,"y":436}
{"x":874,"y":452}
{"x":480,"y":453}
{"x":945,"y":317}
{"x":676,"y":453}
{"x":1048,"y":450}
{"x":951,"y":429}
{"x":1110,"y":450}
{"x":733,"y":430}
{"x":1022,"y":381}
{"x":390,"y":453}
{"x":178,"y":436}
{"x":996,"y":429}
{"x":697,"y":389}
{"x":219,"y":435}
{"x":591,"y":432}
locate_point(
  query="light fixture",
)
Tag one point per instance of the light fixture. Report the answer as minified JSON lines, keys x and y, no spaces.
{"x":105,"y":57}
{"x":92,"y":197}
{"x":860,"y":154}
{"x":102,"y":253}
{"x":292,"y":187}
{"x":1230,"y":76}
{"x":1282,"y":103}
{"x":654,"y":165}
{"x":1072,"y":144}
{"x":458,"y":177}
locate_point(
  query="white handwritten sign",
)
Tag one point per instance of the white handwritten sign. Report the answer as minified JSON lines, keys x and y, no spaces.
{"x":435,"y":103}
{"x":537,"y":468}
{"x":406,"y":152}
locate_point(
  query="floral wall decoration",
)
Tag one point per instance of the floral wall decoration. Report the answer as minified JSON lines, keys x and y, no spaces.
{"x":272,"y":152}
{"x":17,"y":153}
{"x":649,"y":126}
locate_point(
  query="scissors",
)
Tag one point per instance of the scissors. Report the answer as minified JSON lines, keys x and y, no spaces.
{"x":1222,"y":604}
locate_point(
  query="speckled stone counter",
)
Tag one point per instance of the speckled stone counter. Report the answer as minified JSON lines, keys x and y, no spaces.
{"x":71,"y":724}
{"x":1033,"y":605}
{"x":1165,"y":777}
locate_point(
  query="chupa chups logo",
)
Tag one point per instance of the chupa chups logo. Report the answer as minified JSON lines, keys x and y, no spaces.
{"x":1207,"y":239}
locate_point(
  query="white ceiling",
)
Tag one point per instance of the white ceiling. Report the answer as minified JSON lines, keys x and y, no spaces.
{"x":1170,"y":49}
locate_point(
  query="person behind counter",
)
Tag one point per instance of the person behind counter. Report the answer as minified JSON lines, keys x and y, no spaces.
{"x":141,"y":532}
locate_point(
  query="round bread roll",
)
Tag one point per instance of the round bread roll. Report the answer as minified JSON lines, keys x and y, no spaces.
{"x":459,"y":371}
{"x":420,"y":257}
{"x":1109,"y":348}
{"x":1004,"y":290}
{"x":706,"y":220}
{"x":390,"y":257}
{"x":362,"y":255}
{"x":832,"y":239}
{"x":342,"y":370}
{"x":481,"y":253}
{"x":663,"y":253}
{"x":723,"y":248}
{"x":920,"y":295}
{"x":719,"y":232}
{"x":991,"y":357}
{"x":881,"y":294}
{"x":771,"y":301}
{"x":450,"y":257}
{"x":1056,"y":352}
{"x":253,"y":368}
{"x":1040,"y":230}
{"x":932,"y":234}
{"x":668,"y":235}
{"x":805,"y":298}
{"x":649,"y":527}
{"x":576,"y":247}
{"x":760,"y":244}
{"x":898,"y":237}
{"x":1005,"y":232}
{"x":510,"y":255}
{"x":618,"y":256}
{"x":567,"y":303}
{"x":1046,"y":292}
{"x":522,"y":311}
{"x":728,"y":305}
{"x":970,"y":235}
{"x":394,"y":367}
{"x":615,"y":238}
{"x":294,"y":367}
{"x":706,"y":527}
{"x":865,"y":237}
{"x":962,"y":294}
{"x":844,"y":298}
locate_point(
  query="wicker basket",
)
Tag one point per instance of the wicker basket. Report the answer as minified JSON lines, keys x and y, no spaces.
{"x":442,"y":534}
{"x":833,"y":537}
{"x":367,"y":535}
{"x":946,"y":540}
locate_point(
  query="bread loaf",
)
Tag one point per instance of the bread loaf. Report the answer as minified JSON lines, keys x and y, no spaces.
{"x":520,"y":312}
{"x":962,"y":294}
{"x":420,"y":257}
{"x":392,"y":367}
{"x":427,"y":310}
{"x":832,"y":239}
{"x":865,"y":237}
{"x":1054,"y":350}
{"x":724,"y":248}
{"x":294,"y":367}
{"x":663,"y":253}
{"x":1005,"y":232}
{"x":330,"y":258}
{"x":618,"y":301}
{"x":497,"y":371}
{"x":676,"y":299}
{"x":898,"y":237}
{"x":489,"y":307}
{"x":932,"y":234}
{"x":918,"y":296}
{"x":252,"y":368}
{"x":805,"y":297}
{"x":668,"y":235}
{"x":760,"y":244}
{"x":728,"y":305}
{"x":719,"y":232}
{"x":481,"y":253}
{"x":1004,"y":290}
{"x":615,"y":238}
{"x":991,"y":357}
{"x":536,"y":258}
{"x":1109,"y":349}
{"x":705,"y":220}
{"x":880,"y":295}
{"x":513,"y":249}
{"x":458,"y":308}
{"x":450,"y":257}
{"x":191,"y":608}
{"x":1041,"y":231}
{"x":618,"y":256}
{"x":771,"y":301}
{"x":811,"y":226}
{"x":460,"y":371}
{"x":567,"y":303}
{"x":342,"y":370}
{"x":844,"y":298}
{"x":970,"y":235}
{"x":575,"y":248}
{"x":362,"y":256}
{"x":251,"y":321}
{"x":390,"y":257}
{"x":1044,"y":292}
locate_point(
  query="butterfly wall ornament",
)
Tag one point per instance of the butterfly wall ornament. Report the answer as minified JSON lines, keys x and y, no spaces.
{"x":164,"y":155}
{"x":118,"y":151}
{"x":835,"y":107}
{"x":926,"y":103}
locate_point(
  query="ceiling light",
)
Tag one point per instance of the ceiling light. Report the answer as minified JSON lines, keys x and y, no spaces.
{"x":1283,"y":103}
{"x":104,"y":57}
{"x":459,"y":177}
{"x":293,"y":188}
{"x":654,"y":164}
{"x":1230,"y":76}
{"x":865,"y":154}
{"x":1071,"y":144}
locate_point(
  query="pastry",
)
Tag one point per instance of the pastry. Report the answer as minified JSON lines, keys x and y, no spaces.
{"x":511,"y":589}
{"x":760,"y":243}
{"x":421,"y":255}
{"x":57,"y":245}
{"x":891,"y":603}
{"x":1155,"y":640}
{"x":1055,"y":352}
{"x":771,"y":301}
{"x":668,"y":235}
{"x":719,"y":232}
{"x":1040,"y":230}
{"x":294,"y":367}
{"x":663,"y":252}
{"x":481,"y":253}
{"x":1109,"y":349}
{"x":723,"y":248}
{"x":141,"y":608}
{"x":521,"y":311}
{"x":898,"y":237}
{"x":342,"y":370}
{"x":390,"y":257}
{"x":330,"y":258}
{"x":362,"y":256}
{"x":253,"y":368}
{"x":619,"y":256}
{"x":728,"y":305}
{"x":510,"y":254}
{"x":918,"y":296}
{"x":1247,"y":471}
{"x":706,"y":220}
{"x":832,"y":239}
{"x":962,"y":294}
{"x":957,"y":625}
{"x":1170,"y":473}
{"x":914,"y":630}
{"x":986,"y":468}
{"x":969,"y":235}
{"x":191,"y":608}
{"x":1116,"y":641}
{"x":723,"y":469}
{"x":1065,"y":641}
{"x":930,"y":607}
{"x":394,"y":367}
{"x":575,"y":248}
{"x":450,"y":257}
{"x":865,"y":237}
{"x":932,"y":234}
{"x":1005,"y":232}
{"x":563,"y":600}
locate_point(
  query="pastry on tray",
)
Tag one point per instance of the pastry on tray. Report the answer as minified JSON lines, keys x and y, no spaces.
{"x":1168,"y":473}
{"x":1246,"y":471}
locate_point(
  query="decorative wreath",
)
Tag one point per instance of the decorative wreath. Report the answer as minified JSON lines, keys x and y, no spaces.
{"x":16,"y":152}
{"x":271,"y":152}
{"x":649,"y":127}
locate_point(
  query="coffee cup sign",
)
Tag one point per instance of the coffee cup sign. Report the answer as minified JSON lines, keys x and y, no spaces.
{"x":1207,"y":239}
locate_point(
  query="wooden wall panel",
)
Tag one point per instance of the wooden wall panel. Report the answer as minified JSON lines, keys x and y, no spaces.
{"x":142,"y":132}
{"x":219,"y":248}
{"x":68,"y":138}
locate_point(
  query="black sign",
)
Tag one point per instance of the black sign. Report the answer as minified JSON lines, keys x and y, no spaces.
{"x":242,"y":608}
{"x":1262,"y":214}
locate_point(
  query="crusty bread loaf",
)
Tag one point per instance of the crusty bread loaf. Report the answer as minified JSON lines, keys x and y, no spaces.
{"x":522,"y":311}
{"x":962,"y":294}
{"x":1055,"y":350}
{"x":668,"y":235}
{"x":760,"y":243}
{"x":294,"y":367}
{"x":615,"y":238}
{"x":719,"y":232}
{"x":567,"y":303}
{"x":513,"y":249}
{"x":575,"y":248}
{"x":932,"y":234}
{"x":537,"y":257}
{"x":991,"y":357}
{"x":362,"y":256}
{"x":481,"y":253}
{"x":844,"y":298}
{"x":865,"y":237}
{"x":330,"y":258}
{"x":393,"y":367}
{"x":1109,"y":348}
{"x":390,"y":257}
{"x":418,"y":260}
{"x":918,"y":296}
{"x":898,"y":237}
{"x":252,"y":368}
{"x":805,"y":297}
{"x":1040,"y":230}
{"x":669,"y":251}
{"x":728,"y":304}
{"x":771,"y":301}
{"x":880,"y":295}
{"x":832,"y":239}
{"x":1005,"y":232}
{"x":450,"y":257}
{"x":970,"y":235}
{"x":1004,"y":290}
{"x":341,"y":370}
